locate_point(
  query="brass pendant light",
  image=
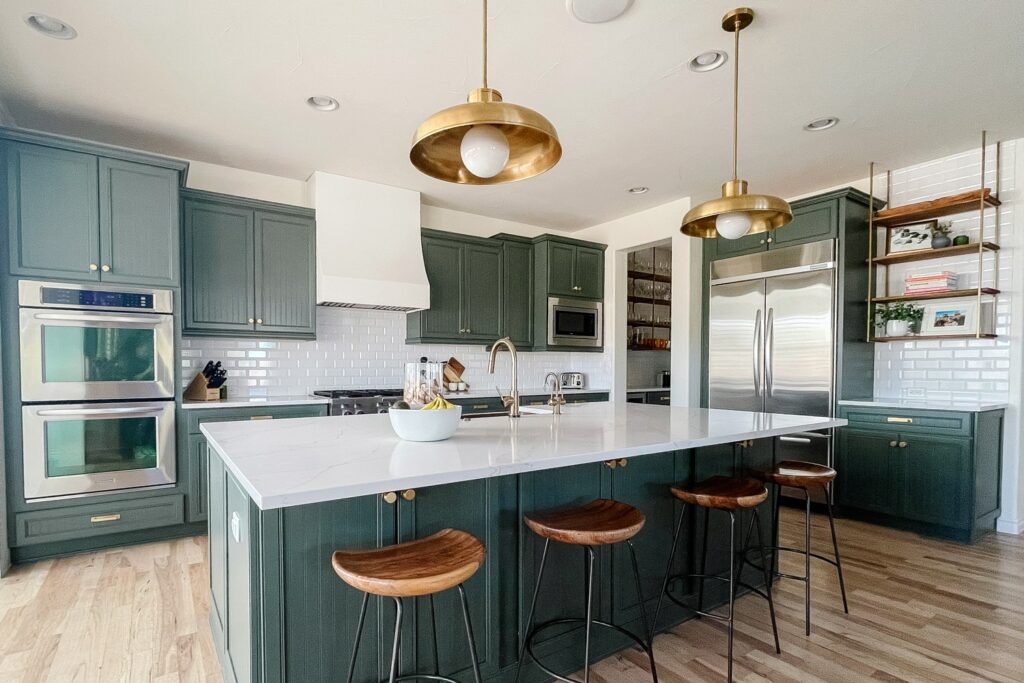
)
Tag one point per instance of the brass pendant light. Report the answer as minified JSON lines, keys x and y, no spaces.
{"x":736,"y":213}
{"x":441,"y":147}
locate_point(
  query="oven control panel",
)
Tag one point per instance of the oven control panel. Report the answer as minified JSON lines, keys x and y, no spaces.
{"x":74,"y":298}
{"x":35,"y":294}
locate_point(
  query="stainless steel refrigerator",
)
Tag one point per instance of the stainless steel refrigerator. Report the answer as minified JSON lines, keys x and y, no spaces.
{"x":772,"y":339}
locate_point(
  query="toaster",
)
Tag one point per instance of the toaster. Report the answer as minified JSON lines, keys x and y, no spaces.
{"x":572,"y":380}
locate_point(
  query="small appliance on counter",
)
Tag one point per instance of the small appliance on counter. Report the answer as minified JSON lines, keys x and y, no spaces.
{"x":573,"y":380}
{"x":665,"y":379}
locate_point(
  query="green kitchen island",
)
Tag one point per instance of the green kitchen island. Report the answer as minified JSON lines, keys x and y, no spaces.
{"x":284,"y":494}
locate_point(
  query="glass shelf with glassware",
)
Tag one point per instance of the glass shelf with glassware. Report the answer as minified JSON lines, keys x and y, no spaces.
{"x":649,"y":297}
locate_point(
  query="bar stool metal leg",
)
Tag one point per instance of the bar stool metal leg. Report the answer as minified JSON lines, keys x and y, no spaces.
{"x":767,"y":581}
{"x":648,"y":629}
{"x":835,"y":548}
{"x":807,"y":563}
{"x":703,"y":562}
{"x":668,"y":570}
{"x":398,"y":641}
{"x":469,"y":634}
{"x":732,"y":583}
{"x":533,"y":609}
{"x":359,"y":634}
{"x":433,"y":630}
{"x":590,"y":612}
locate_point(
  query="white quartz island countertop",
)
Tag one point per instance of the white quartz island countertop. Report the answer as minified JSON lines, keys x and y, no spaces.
{"x":281,"y":463}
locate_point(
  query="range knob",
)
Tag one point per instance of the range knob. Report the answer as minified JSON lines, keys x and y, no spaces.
{"x":382,"y":408}
{"x":360,"y":411}
{"x":346,"y":411}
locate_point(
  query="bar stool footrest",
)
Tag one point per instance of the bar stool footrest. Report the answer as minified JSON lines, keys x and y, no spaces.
{"x":422,"y":677}
{"x":711,"y":577}
{"x":799,"y":551}
{"x":575,"y":620}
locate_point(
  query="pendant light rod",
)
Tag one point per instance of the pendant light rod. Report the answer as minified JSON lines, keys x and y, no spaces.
{"x":485,"y":43}
{"x":735,"y":102}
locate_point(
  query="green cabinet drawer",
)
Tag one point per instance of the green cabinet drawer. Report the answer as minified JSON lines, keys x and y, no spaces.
{"x":97,"y":519}
{"x":197,"y":416}
{"x":659,"y":398}
{"x":894,"y":420}
{"x":595,"y":397}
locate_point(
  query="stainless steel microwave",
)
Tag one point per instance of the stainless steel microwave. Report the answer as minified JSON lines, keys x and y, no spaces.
{"x":575,"y":322}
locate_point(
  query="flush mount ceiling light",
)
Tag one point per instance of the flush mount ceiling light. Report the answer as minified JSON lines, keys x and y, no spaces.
{"x":736,"y":213}
{"x":708,"y":61}
{"x":823,"y":123}
{"x":639,"y":189}
{"x":485,"y":141}
{"x":50,"y":27}
{"x":597,"y":11}
{"x":322,"y":103}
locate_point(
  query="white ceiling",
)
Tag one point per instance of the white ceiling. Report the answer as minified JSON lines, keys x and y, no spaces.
{"x":226,"y":82}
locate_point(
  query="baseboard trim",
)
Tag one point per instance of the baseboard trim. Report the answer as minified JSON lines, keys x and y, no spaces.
{"x":1009,"y":526}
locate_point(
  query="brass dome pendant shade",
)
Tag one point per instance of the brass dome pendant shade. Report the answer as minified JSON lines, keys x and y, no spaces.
{"x":533,"y":145}
{"x":763,"y":211}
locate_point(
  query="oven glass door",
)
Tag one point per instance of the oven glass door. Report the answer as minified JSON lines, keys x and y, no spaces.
{"x":75,"y":449}
{"x":85,"y":355}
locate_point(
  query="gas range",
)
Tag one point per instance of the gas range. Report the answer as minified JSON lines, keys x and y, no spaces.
{"x":360,"y":401}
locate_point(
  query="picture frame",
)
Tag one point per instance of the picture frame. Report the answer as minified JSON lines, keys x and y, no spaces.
{"x":904,"y":239}
{"x":962,"y":316}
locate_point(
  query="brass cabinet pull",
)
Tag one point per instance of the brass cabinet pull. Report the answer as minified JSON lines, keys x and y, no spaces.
{"x":900,"y":420}
{"x":390,"y":497}
{"x":892,"y":444}
{"x":409,"y":494}
{"x":903,"y":444}
{"x":105,"y":268}
{"x":483,"y":406}
{"x":262,"y":417}
{"x":623,"y":462}
{"x":99,"y":519}
{"x":93,"y":266}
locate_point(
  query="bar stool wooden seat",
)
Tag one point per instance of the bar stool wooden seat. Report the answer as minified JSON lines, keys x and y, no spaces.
{"x":599,"y":522}
{"x":807,"y":476}
{"x":422,"y":567}
{"x":728,"y":494}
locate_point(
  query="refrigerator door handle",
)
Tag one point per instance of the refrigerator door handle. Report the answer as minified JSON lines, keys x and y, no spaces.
{"x":769,"y":351}
{"x":756,"y":353}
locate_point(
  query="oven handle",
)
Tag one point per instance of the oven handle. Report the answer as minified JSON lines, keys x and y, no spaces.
{"x":60,"y":412}
{"x":86,"y":318}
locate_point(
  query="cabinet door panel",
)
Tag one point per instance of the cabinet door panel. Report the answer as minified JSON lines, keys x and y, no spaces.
{"x":481,"y":291}
{"x":589,"y":275}
{"x":936,"y":479}
{"x":53,"y":213}
{"x":561,"y":262}
{"x":239,"y":565}
{"x":443,"y":261}
{"x":285,"y":274}
{"x":810,"y":224}
{"x":518,"y":295}
{"x":219,"y":262}
{"x":196,"y":486}
{"x":140,"y":238}
{"x":868,"y":471}
{"x":218,"y":531}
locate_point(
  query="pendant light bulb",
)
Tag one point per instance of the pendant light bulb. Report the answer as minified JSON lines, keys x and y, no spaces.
{"x":484,"y":151}
{"x":733,"y":225}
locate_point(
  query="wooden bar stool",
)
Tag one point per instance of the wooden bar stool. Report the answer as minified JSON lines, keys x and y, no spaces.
{"x":599,"y":522}
{"x":728,"y":494}
{"x":806,"y":476}
{"x":418,"y":568}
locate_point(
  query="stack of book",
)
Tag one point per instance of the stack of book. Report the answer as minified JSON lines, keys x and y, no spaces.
{"x":931,"y":283}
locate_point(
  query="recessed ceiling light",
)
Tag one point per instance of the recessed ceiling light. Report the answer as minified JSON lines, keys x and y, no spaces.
{"x":48,"y":26}
{"x":322,"y":103}
{"x":639,"y":189}
{"x":823,"y":123}
{"x":708,"y":61}
{"x":597,"y":11}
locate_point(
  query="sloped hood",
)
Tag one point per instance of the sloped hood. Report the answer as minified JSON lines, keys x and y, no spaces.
{"x":368,"y":249}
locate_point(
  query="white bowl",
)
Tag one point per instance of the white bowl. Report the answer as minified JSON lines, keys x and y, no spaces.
{"x":425,"y":425}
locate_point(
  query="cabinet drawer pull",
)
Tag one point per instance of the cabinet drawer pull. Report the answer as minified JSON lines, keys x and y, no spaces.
{"x":262,"y":417}
{"x":893,"y":444}
{"x":900,"y":420}
{"x":409,"y":495}
{"x":794,"y":439}
{"x":481,"y":406}
{"x":390,"y":497}
{"x":100,"y":519}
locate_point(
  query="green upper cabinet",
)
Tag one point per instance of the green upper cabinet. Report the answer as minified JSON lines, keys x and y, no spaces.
{"x":517,"y":293}
{"x":748,"y":244}
{"x":52,"y":212}
{"x":571,"y":267}
{"x":813,"y":221}
{"x":81,"y":211}
{"x":285,"y":274}
{"x":249,"y":268}
{"x":466,"y":283}
{"x":140,"y":238}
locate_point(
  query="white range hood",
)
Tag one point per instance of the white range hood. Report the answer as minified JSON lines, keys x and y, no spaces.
{"x":368,"y":249}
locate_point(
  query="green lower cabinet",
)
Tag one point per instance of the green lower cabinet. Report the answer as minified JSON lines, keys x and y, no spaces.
{"x":868,"y":471}
{"x":196,"y":487}
{"x":936,"y":480}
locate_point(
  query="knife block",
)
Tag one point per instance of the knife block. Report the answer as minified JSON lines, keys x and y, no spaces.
{"x":199,"y":390}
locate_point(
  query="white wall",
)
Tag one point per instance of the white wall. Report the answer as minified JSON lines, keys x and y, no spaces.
{"x":473,"y":224}
{"x":235,"y":181}
{"x":623,"y":235}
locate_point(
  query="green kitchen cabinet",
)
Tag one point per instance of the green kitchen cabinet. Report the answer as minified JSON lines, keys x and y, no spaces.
{"x":930,"y":471}
{"x":249,"y":268}
{"x":197,"y":485}
{"x":81,"y":211}
{"x":517,"y":293}
{"x":812,"y":221}
{"x":466,"y":284}
{"x":570,"y":267}
{"x":748,"y":244}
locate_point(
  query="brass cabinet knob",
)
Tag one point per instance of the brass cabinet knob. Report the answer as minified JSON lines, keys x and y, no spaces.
{"x":390,"y":497}
{"x":770,"y":240}
{"x":409,"y":494}
{"x":893,"y":444}
{"x":623,"y":462}
{"x":469,"y":331}
{"x":105,"y":268}
{"x":252,"y":320}
{"x":903,"y":444}
{"x":762,"y":241}
{"x":611,"y":464}
{"x":93,"y":266}
{"x":259,"y":321}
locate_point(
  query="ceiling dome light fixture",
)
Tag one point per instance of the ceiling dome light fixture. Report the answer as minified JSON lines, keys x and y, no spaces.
{"x":597,"y":11}
{"x":639,"y":189}
{"x":50,"y":27}
{"x":485,"y":141}
{"x":708,"y":61}
{"x":824,"y":123}
{"x":322,"y":102}
{"x":736,"y":213}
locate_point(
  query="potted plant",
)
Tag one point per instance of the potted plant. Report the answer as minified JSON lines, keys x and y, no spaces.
{"x":940,"y":235}
{"x":899,"y":317}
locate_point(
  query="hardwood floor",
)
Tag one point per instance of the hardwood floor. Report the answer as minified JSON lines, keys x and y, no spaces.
{"x":920,"y":610}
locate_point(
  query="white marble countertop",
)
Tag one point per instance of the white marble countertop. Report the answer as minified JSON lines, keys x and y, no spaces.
{"x":255,"y":402}
{"x":281,"y":463}
{"x":922,"y":404}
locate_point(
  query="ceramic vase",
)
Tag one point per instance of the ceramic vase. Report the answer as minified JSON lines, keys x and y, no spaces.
{"x":897,"y":328}
{"x":941,"y":241}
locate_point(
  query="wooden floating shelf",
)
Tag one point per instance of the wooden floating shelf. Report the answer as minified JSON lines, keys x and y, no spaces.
{"x":651,"y":277}
{"x":935,"y":208}
{"x":648,"y":300}
{"x":955,"y":293}
{"x":926,"y":337}
{"x":928,"y":254}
